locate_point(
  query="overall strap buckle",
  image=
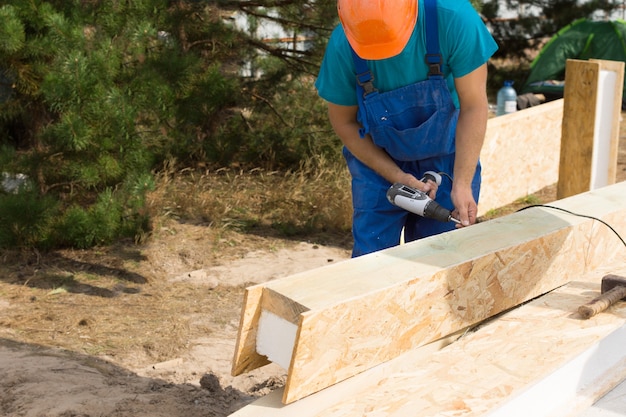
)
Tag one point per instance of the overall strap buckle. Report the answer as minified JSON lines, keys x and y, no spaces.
{"x":433,"y":61}
{"x":366,"y":81}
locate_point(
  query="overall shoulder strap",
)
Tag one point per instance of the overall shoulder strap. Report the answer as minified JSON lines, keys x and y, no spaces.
{"x":433,"y":56}
{"x":364,"y":77}
{"x":364,"y":88}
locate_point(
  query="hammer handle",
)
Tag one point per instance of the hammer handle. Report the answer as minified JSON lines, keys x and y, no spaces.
{"x":602,"y":302}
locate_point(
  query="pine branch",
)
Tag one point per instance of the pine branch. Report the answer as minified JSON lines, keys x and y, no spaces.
{"x":272,"y":108}
{"x":286,"y":22}
{"x":287,"y":56}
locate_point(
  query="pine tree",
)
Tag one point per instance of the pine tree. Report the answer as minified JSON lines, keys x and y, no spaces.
{"x":96,"y":95}
{"x":73,"y":118}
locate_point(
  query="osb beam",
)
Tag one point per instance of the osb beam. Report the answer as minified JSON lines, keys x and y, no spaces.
{"x":540,"y":359}
{"x":362,"y":312}
{"x":590,"y":130}
{"x":520,"y":155}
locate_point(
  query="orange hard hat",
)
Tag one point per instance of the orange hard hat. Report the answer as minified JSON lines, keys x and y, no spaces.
{"x":377,"y":29}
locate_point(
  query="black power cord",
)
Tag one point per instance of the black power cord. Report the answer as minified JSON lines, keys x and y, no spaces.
{"x":578,"y":215}
{"x":561,"y":209}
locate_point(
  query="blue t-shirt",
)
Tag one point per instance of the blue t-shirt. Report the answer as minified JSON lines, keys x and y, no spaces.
{"x":464,"y":41}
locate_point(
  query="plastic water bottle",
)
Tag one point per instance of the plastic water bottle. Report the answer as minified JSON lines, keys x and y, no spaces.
{"x":507,"y":99}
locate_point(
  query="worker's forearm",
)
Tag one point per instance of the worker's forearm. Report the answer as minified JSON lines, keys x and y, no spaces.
{"x":469,"y":140}
{"x":470,"y":135}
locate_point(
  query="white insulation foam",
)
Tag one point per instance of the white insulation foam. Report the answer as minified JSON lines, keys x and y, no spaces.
{"x":607,"y":85}
{"x":276,"y":338}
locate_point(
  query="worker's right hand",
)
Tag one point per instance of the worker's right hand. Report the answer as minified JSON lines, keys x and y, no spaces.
{"x":429,"y":187}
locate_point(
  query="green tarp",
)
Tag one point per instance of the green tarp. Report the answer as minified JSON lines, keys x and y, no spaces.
{"x":582,"y":39}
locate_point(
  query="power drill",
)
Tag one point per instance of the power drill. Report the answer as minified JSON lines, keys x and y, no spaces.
{"x":418,"y":202}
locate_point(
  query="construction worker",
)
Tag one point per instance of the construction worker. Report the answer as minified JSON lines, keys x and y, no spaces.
{"x":405,"y":83}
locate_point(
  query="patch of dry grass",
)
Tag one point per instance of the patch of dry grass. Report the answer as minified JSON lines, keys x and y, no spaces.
{"x":316,"y":197}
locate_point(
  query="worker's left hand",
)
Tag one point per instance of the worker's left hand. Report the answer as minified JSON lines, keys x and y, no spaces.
{"x":465,"y":206}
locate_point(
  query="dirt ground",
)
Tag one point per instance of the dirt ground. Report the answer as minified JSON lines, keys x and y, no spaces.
{"x":145,"y":330}
{"x":138,"y":330}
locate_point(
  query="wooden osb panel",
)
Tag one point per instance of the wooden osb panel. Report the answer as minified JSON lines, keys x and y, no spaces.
{"x":581,"y":95}
{"x":520,"y":155}
{"x":246,"y":358}
{"x":368,"y":310}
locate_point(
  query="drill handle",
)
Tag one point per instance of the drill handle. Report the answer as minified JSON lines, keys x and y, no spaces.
{"x":433,"y":176}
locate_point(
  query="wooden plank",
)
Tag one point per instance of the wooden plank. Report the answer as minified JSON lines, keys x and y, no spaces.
{"x":520,"y":155}
{"x":246,"y":357}
{"x":590,"y":133}
{"x":579,"y":120}
{"x":368,"y":310}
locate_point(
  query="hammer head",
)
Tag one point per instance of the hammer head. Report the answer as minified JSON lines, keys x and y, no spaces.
{"x":611,"y":281}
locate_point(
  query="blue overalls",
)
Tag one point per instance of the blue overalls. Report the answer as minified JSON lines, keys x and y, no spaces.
{"x":416,"y":126}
